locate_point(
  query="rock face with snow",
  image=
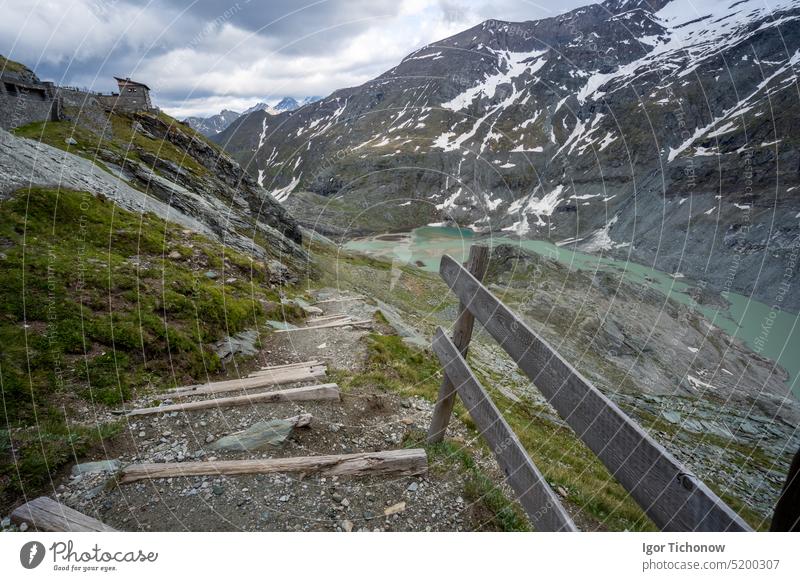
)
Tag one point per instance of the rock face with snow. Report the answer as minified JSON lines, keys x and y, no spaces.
{"x":663,"y":130}
{"x":209,"y":126}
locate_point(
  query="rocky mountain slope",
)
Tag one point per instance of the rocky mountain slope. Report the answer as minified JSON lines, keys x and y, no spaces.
{"x":663,"y":131}
{"x":150,"y":161}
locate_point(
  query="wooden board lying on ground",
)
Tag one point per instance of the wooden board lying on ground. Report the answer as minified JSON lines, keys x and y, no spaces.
{"x":317,"y":324}
{"x":314,"y":370}
{"x":341,"y":300}
{"x":407,"y":462}
{"x":668,"y":492}
{"x":311,"y":363}
{"x":328,"y":326}
{"x":326,"y":318}
{"x":343,"y":319}
{"x":325,"y":391}
{"x":46,"y":515}
{"x":263,"y":379}
{"x":534,"y":494}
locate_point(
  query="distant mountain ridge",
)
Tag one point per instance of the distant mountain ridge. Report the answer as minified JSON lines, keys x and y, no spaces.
{"x":663,"y":131}
{"x":214,"y":124}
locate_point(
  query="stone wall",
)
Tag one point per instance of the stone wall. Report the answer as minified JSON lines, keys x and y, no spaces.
{"x":78,"y":98}
{"x":21,"y":104}
{"x":126,"y":102}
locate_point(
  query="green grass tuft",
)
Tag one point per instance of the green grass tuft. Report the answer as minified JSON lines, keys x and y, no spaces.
{"x":93,"y":309}
{"x":9,"y":66}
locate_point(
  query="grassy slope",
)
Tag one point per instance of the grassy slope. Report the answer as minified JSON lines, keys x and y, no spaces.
{"x":92,"y":309}
{"x":11,"y":66}
{"x":118,"y":137}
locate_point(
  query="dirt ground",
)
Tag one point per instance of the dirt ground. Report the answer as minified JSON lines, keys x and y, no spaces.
{"x":365,"y":420}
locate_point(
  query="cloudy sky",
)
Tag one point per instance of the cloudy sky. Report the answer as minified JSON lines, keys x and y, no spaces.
{"x":201,"y":56}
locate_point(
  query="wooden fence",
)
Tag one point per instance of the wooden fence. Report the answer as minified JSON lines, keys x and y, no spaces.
{"x":673,"y":497}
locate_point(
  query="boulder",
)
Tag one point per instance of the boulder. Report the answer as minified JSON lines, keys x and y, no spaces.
{"x":96,"y":467}
{"x":261,"y":435}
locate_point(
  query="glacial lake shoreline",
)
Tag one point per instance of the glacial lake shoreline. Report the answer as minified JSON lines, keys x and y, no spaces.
{"x":769,"y":333}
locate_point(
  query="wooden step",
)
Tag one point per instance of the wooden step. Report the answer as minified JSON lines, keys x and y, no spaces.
{"x":339,"y":300}
{"x":313,"y":323}
{"x":311,"y":363}
{"x":333,"y":316}
{"x":254,"y":382}
{"x":325,"y":391}
{"x":314,"y":369}
{"x":46,"y":515}
{"x":326,"y":319}
{"x":328,"y":326}
{"x":407,"y":462}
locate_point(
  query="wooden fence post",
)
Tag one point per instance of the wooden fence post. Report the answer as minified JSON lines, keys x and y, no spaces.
{"x":673,"y":497}
{"x":787,"y":511}
{"x":476,"y":264}
{"x":531,"y":489}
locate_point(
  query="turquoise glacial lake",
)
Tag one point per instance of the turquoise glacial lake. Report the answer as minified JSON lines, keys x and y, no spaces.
{"x":742,"y":318}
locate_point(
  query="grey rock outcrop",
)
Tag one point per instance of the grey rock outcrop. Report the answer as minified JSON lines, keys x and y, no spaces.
{"x":196,"y":204}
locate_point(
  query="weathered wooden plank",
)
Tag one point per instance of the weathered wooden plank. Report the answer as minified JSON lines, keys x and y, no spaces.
{"x":311,"y":363}
{"x":477,"y":264}
{"x":326,"y":318}
{"x":265,"y":379}
{"x":326,"y":391}
{"x":406,"y":462}
{"x":316,"y":324}
{"x":328,"y":326}
{"x":340,"y":300}
{"x":46,"y":515}
{"x":534,"y":494}
{"x":668,"y":492}
{"x":313,"y":369}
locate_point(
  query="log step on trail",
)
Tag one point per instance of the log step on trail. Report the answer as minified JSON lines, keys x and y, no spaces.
{"x":325,"y":391}
{"x":312,"y":363}
{"x":314,"y":371}
{"x":46,"y":515}
{"x":339,"y":300}
{"x":405,"y":462}
{"x":328,"y":326}
{"x":261,"y":379}
{"x":327,"y":318}
{"x":317,"y":322}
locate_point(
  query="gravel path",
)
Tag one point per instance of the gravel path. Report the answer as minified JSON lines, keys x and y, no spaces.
{"x":365,"y":420}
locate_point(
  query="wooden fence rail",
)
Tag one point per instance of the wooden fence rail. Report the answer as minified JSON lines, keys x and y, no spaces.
{"x":673,"y":497}
{"x":534,"y":494}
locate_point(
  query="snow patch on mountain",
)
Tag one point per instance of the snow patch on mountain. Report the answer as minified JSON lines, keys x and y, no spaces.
{"x":510,"y":66}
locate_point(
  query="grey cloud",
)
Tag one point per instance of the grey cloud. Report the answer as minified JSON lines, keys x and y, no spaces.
{"x":199,"y":53}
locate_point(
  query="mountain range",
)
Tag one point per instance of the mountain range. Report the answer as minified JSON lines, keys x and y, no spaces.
{"x":661,"y":131}
{"x":214,"y":124}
